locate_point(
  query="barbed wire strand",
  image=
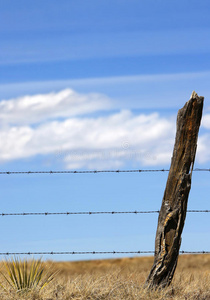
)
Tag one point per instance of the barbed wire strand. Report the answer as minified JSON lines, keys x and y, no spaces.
{"x":94,"y":252}
{"x":92,"y":171}
{"x":91,"y":213}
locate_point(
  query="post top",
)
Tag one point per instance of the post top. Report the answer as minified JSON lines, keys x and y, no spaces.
{"x":194,"y":95}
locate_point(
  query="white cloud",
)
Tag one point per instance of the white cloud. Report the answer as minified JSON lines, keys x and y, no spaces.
{"x":41,"y":107}
{"x":206,"y":121}
{"x":87,"y":141}
{"x":203,"y":153}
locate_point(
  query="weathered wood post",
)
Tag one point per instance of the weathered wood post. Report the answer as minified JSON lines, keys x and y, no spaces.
{"x":174,"y":205}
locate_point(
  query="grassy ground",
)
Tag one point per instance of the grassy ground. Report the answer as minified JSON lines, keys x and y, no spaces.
{"x":122,"y":279}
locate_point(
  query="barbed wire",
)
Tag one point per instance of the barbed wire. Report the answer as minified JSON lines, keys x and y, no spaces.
{"x":94,"y":252}
{"x":92,"y":171}
{"x":92,"y":213}
{"x":79,"y":172}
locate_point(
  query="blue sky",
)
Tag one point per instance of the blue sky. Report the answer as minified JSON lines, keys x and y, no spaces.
{"x":97,"y":85}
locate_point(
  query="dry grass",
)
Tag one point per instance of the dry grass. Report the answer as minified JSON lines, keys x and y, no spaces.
{"x":123,"y":279}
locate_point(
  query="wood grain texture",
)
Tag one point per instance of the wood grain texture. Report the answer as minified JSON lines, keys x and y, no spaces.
{"x":174,"y":205}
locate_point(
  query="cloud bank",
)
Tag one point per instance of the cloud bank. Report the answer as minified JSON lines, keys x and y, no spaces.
{"x":60,"y":127}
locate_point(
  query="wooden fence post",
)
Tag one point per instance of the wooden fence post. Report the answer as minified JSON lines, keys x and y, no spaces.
{"x":174,"y":205}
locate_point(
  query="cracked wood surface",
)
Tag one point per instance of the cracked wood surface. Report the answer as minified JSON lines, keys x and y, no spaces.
{"x":174,"y":205}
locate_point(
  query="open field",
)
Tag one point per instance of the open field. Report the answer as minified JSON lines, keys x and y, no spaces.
{"x":122,"y":279}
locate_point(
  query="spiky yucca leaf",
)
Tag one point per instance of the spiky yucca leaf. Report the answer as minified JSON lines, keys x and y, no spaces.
{"x":24,"y":277}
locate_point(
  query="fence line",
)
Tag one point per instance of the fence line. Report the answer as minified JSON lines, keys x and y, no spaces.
{"x":92,"y":171}
{"x":95,"y":252}
{"x":92,"y":213}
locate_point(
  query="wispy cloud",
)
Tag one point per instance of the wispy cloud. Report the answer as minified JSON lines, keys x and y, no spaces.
{"x":115,"y":44}
{"x":139,"y":91}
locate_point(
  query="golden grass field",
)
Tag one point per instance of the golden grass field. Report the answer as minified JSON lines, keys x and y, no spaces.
{"x":122,"y":279}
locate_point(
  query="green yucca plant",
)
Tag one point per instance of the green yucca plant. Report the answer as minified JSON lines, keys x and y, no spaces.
{"x":25,"y":276}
